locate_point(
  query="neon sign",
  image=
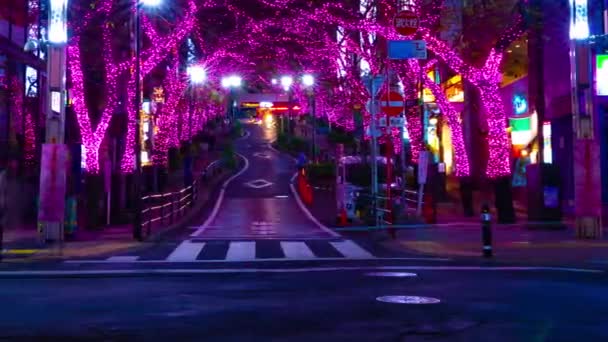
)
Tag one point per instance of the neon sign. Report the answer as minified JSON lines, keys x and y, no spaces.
{"x":579,"y":20}
{"x":601,"y":75}
{"x":520,"y":105}
{"x":58,"y":32}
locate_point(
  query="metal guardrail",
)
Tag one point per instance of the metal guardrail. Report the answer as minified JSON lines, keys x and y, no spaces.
{"x":169,"y":207}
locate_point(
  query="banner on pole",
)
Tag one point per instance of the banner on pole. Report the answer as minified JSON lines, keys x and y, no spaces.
{"x":53,"y":182}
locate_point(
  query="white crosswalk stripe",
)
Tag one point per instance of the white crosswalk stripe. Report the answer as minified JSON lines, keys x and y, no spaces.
{"x":296,"y":250}
{"x":241,"y":251}
{"x":186,"y":251}
{"x":351,"y":250}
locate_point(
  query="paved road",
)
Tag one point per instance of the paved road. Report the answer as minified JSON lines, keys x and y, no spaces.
{"x":320,"y":305}
{"x":262,"y":270}
{"x":259,"y":203}
{"x":256,"y":217}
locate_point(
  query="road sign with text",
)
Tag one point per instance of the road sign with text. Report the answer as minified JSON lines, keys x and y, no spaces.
{"x":406,"y":23}
{"x":407,"y":49}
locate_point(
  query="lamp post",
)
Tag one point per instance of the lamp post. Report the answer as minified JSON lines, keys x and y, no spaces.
{"x":231,"y":83}
{"x":309,"y":81}
{"x":197,"y":75}
{"x":586,"y":145}
{"x":137,"y":229}
{"x":52,"y":172}
{"x":286,"y":82}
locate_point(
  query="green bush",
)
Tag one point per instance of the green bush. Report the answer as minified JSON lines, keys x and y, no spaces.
{"x":229,"y":156}
{"x":237,"y":130}
{"x":321,"y":171}
{"x":338,"y":136}
{"x":298,"y":145}
{"x":282,"y":140}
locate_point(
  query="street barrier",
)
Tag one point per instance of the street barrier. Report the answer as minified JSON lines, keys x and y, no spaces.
{"x":486,"y":230}
{"x":167,"y":208}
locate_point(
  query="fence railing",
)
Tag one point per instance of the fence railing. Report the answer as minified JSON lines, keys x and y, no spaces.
{"x":165,"y":209}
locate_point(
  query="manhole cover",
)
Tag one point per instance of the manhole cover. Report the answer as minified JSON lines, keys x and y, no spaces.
{"x":392,"y":274}
{"x":408,"y":300}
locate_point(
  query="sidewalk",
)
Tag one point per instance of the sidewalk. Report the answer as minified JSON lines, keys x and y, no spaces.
{"x":511,"y":243}
{"x":22,"y":242}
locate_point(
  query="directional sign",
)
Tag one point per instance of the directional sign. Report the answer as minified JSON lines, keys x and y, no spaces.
{"x":377,"y":133}
{"x":412,"y":102}
{"x":396,"y":122}
{"x":407,"y":49}
{"x":376,"y":82}
{"x":381,"y":122}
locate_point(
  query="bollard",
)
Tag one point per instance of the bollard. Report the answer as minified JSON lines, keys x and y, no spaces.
{"x":486,"y":230}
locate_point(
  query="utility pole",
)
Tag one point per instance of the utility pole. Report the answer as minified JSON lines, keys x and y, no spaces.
{"x":586,"y":149}
{"x":373,"y":133}
{"x":137,"y":218}
{"x":54,"y":153}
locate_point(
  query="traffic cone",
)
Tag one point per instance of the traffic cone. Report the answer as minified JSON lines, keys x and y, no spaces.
{"x":343,"y":220}
{"x":428,"y":212}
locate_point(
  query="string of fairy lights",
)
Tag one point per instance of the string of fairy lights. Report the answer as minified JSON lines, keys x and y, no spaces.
{"x":296,"y":24}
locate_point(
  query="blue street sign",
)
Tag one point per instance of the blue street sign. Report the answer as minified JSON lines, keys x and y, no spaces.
{"x":407,"y":49}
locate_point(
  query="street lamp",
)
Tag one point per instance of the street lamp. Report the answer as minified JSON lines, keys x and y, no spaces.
{"x":286,"y":82}
{"x":151,"y":3}
{"x":137,"y":229}
{"x":309,"y":81}
{"x":51,"y":221}
{"x":197,"y":75}
{"x":231,"y":83}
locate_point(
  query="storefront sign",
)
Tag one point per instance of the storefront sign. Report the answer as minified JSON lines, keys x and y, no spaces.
{"x":520,"y":105}
{"x":601,"y":75}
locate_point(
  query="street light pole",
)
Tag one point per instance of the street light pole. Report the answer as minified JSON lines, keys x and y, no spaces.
{"x":52,"y":171}
{"x":314,"y":126}
{"x":137,"y":229}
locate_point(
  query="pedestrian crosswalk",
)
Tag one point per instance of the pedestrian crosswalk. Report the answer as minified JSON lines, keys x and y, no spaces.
{"x":256,"y":250}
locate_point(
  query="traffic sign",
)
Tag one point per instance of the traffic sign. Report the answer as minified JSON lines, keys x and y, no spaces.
{"x":392,"y":103}
{"x":381,"y":122}
{"x":376,"y":133}
{"x":406,"y":23}
{"x":407,"y":49}
{"x":396,"y":122}
{"x":412,"y":103}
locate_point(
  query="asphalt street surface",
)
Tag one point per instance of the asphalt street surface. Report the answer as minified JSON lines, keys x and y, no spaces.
{"x":256,"y":267}
{"x":327,"y":305}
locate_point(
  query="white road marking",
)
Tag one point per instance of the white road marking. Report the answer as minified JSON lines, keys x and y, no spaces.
{"x":258,"y":184}
{"x":351,"y":250}
{"x":265,"y":260}
{"x":186,"y":251}
{"x":122,"y":258}
{"x":241,"y":251}
{"x":220,"y":198}
{"x":72,"y":273}
{"x":296,"y":250}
